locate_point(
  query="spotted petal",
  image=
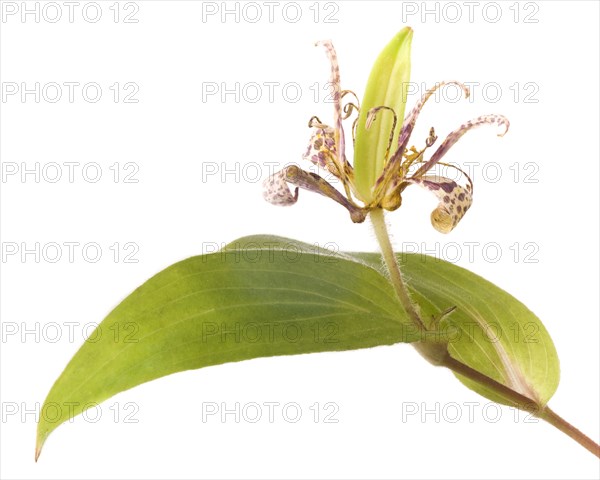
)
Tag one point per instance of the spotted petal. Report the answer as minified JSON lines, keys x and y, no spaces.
{"x":277,"y":191}
{"x":456,"y":135}
{"x":411,"y":118}
{"x":321,"y":149}
{"x":392,"y":168}
{"x":454,"y":199}
{"x":336,"y":97}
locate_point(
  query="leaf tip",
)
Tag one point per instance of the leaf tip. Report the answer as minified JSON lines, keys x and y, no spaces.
{"x":39,"y":443}
{"x":38,"y":450}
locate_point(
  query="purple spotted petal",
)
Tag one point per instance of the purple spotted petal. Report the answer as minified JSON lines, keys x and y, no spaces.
{"x":411,"y":118}
{"x":454,"y":201}
{"x":457,"y":134}
{"x":393,"y":166}
{"x":277,"y":192}
{"x":321,"y":149}
{"x":336,"y":94}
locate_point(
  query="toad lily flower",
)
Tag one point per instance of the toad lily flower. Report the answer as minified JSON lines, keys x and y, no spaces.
{"x":383,"y":164}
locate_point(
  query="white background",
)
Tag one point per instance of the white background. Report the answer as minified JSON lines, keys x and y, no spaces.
{"x":172,"y":134}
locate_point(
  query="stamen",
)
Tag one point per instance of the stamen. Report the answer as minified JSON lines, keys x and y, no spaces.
{"x":394,"y":166}
{"x":346,"y":92}
{"x":431,"y":138}
{"x":416,"y":156}
{"x":354,"y":124}
{"x":469,"y":187}
{"x":411,"y":156}
{"x":371,"y":118}
{"x":393,"y":183}
{"x":314,"y":122}
{"x":457,"y":134}
{"x":350,"y":107}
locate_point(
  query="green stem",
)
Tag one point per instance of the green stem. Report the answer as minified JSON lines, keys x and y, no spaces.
{"x":378,"y":221}
{"x":438,"y":354}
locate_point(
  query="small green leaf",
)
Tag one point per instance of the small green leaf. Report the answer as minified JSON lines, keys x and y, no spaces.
{"x":261,"y":296}
{"x":386,"y":86}
{"x":490,"y":330}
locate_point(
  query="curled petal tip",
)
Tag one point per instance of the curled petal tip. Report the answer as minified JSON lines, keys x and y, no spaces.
{"x":500,"y":120}
{"x":465,"y":89}
{"x":454,"y":201}
{"x":503,"y":122}
{"x":276,"y":190}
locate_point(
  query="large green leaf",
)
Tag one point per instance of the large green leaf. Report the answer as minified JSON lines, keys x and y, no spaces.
{"x":492,"y":331}
{"x":263,"y":296}
{"x":259,"y":297}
